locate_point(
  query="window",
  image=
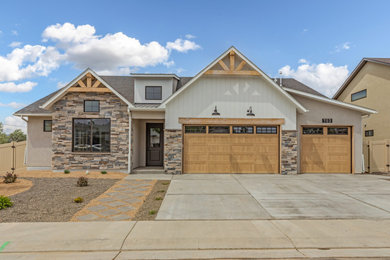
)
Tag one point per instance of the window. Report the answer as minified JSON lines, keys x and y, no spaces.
{"x":153,"y":92}
{"x":242,"y":129}
{"x":91,"y":135}
{"x":91,"y":106}
{"x":219,"y":129}
{"x":47,"y":125}
{"x":266,"y":130}
{"x":369,"y":133}
{"x":195,"y":129}
{"x":337,"y":130}
{"x":313,"y":130}
{"x":359,"y":95}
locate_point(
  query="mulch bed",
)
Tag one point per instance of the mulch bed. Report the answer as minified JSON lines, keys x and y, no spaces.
{"x":51,"y":199}
{"x":153,"y":201}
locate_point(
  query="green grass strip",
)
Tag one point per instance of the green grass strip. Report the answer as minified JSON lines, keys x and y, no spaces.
{"x":3,"y":246}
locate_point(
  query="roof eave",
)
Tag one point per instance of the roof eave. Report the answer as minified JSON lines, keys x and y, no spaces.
{"x":333,"y":101}
{"x":31,"y":114}
{"x":88,"y":70}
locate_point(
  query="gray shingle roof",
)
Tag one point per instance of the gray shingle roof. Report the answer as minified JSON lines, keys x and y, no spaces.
{"x":34,"y":107}
{"x":297,"y":85}
{"x":125,"y":86}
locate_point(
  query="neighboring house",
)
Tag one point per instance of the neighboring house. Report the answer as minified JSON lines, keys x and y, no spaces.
{"x":369,"y":86}
{"x":230,"y":118}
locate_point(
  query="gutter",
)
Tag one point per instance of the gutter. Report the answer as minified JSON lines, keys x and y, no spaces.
{"x":129,"y":156}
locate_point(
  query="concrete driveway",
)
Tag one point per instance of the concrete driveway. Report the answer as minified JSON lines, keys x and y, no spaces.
{"x":308,"y":196}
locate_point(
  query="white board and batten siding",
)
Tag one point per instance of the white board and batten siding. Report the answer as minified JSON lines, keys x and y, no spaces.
{"x":139,"y":88}
{"x":232,"y":95}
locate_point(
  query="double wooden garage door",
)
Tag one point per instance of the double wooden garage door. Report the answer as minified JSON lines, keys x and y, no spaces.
{"x":231,"y":149}
{"x":326,"y":149}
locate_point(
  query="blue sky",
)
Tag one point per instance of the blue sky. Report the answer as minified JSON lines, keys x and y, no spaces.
{"x":45,"y":44}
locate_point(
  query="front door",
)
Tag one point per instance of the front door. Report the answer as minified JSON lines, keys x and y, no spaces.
{"x":154,"y":144}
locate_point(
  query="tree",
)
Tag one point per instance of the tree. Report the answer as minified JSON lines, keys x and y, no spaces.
{"x":3,"y":136}
{"x":17,"y":136}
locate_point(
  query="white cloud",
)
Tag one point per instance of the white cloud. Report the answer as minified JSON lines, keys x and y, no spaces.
{"x":110,"y":54}
{"x":305,"y":30}
{"x":181,"y":45}
{"x":346,"y":45}
{"x":29,"y":61}
{"x":324,"y":77}
{"x":15,"y":44}
{"x":14,"y":32}
{"x":11,"y":123}
{"x":343,"y":46}
{"x":12,"y":105}
{"x":13,"y":87}
{"x":61,"y":84}
{"x":68,"y":33}
{"x":190,"y":36}
{"x":302,"y":61}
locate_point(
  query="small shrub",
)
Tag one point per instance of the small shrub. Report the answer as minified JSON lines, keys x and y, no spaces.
{"x":66,"y":171}
{"x":152,"y":212}
{"x":82,"y":182}
{"x":165,"y":183}
{"x":5,"y":202}
{"x":161,"y":191}
{"x":9,"y":177}
{"x":103,"y":172}
{"x":78,"y":200}
{"x":158,"y":198}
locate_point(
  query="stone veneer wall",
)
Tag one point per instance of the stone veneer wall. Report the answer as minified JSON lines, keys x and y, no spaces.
{"x":173,"y":151}
{"x":72,"y":106}
{"x":289,"y":152}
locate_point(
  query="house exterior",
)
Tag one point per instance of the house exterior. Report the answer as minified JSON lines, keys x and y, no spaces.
{"x":229,"y":118}
{"x":369,"y":86}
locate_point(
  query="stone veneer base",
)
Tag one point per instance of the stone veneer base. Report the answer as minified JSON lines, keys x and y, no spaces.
{"x":173,"y":151}
{"x":289,"y":151}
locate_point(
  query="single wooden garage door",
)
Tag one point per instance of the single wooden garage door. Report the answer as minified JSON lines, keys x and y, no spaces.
{"x":231,"y":149}
{"x":326,"y":149}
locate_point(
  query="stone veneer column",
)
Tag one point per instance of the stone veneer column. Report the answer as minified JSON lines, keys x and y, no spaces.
{"x":173,"y":151}
{"x":289,"y":152}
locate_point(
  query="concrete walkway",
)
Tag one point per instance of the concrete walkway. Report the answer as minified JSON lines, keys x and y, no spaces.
{"x":196,"y":239}
{"x":265,"y":196}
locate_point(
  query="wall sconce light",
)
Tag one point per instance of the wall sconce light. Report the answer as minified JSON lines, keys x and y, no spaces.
{"x":215,"y":112}
{"x":249,"y":112}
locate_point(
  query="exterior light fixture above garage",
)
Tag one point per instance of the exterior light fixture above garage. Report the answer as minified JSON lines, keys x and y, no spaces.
{"x":249,"y":112}
{"x":215,"y":112}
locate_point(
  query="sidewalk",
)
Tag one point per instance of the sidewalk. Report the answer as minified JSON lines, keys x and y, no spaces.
{"x":196,"y":239}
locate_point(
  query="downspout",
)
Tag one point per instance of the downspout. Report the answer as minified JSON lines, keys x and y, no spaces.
{"x":129,"y":156}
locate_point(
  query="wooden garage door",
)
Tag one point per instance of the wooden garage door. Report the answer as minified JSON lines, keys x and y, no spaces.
{"x":231,"y":149}
{"x":326,"y":149}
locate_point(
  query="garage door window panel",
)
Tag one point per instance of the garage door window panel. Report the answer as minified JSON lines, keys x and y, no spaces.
{"x":242,"y":129}
{"x":219,"y":129}
{"x":313,"y":130}
{"x":337,"y":130}
{"x":266,"y":130}
{"x":195,"y":129}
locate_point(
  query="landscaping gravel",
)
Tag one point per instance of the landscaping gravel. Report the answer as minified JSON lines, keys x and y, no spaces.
{"x":51,"y":199}
{"x":153,"y":201}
